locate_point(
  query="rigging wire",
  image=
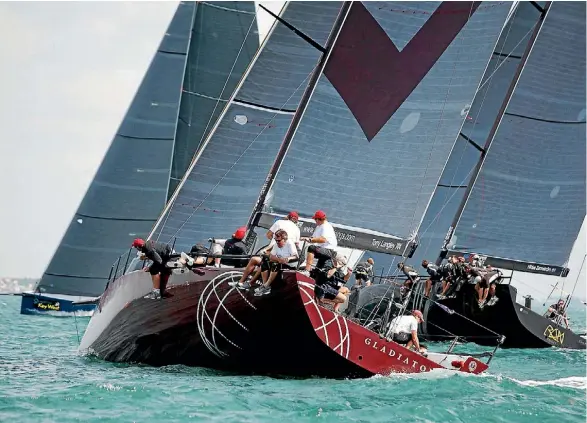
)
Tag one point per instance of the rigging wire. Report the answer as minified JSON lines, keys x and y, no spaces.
{"x":576,"y":281}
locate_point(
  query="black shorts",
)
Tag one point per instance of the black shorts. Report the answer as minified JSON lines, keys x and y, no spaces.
{"x":402,"y":337}
{"x":361,"y":277}
{"x":272,"y":266}
{"x":157,"y":268}
{"x":325,"y":291}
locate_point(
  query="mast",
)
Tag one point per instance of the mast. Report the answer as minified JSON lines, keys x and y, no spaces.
{"x":492,"y":132}
{"x":303,"y":105}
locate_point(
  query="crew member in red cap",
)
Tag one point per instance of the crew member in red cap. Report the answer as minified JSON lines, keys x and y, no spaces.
{"x":233,"y":246}
{"x":323,"y":238}
{"x":290,"y":225}
{"x":158,"y":253}
{"x":404,"y":330}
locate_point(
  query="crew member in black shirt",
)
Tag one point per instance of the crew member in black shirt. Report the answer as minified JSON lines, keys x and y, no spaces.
{"x":158,"y":253}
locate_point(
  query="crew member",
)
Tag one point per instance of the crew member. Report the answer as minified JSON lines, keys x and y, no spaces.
{"x":556,"y":313}
{"x":159,"y":254}
{"x":282,"y":254}
{"x":232,"y":246}
{"x":404,"y":330}
{"x":325,"y":238}
{"x":364,"y":273}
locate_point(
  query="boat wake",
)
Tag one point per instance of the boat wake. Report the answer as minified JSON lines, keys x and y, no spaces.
{"x":573,"y":382}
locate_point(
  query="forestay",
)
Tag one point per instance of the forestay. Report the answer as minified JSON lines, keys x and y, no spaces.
{"x":480,"y":117}
{"x":224,"y":40}
{"x":223,"y":182}
{"x":382,"y":121}
{"x":528,"y":202}
{"x":130,"y":186}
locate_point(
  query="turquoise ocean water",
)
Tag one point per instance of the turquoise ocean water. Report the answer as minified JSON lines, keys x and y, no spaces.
{"x":43,"y":379}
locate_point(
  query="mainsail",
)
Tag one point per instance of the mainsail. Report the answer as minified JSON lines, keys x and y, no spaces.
{"x":229,"y":28}
{"x":223,"y":181}
{"x":382,"y":121}
{"x":527,"y":203}
{"x":129,"y":189}
{"x":480,"y":116}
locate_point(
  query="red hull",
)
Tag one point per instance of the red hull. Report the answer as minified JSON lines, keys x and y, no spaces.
{"x":208,"y":323}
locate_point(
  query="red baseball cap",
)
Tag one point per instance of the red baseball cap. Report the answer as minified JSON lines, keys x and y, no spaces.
{"x":240,"y":233}
{"x":293,"y":215}
{"x":138,"y":243}
{"x":418,"y":314}
{"x":319,"y":215}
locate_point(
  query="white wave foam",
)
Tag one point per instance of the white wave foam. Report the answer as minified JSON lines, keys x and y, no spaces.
{"x":433,"y":374}
{"x":110,"y":387}
{"x":575,"y":382}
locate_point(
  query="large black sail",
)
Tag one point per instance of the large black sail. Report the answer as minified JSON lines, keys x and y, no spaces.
{"x":381,"y":123}
{"x":459,"y":170}
{"x":528,"y":201}
{"x":224,"y":39}
{"x":130,"y":187}
{"x":223,"y":182}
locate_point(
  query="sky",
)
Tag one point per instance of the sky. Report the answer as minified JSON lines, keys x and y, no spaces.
{"x":69,"y":71}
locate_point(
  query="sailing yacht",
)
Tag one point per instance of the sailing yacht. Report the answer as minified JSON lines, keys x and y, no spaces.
{"x":191,"y":75}
{"x":513,"y":191}
{"x":337,"y":111}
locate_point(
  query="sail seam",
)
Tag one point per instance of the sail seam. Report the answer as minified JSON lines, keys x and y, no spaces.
{"x":175,"y":53}
{"x":115,"y":218}
{"x":452,"y":186}
{"x":568,"y":122}
{"x":227,"y":8}
{"x":205,"y":96}
{"x":60,"y":275}
{"x":132,"y":137}
{"x":257,"y":106}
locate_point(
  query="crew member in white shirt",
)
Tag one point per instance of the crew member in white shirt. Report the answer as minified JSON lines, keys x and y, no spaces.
{"x":323,"y":238}
{"x":289,"y":224}
{"x":283,"y":252}
{"x":404,"y":329}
